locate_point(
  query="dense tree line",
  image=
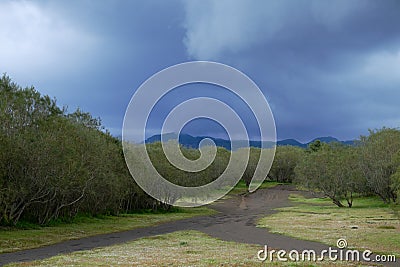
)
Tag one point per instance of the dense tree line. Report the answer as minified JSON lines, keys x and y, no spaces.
{"x":185,"y":178}
{"x":54,"y":164}
{"x":369,"y":167}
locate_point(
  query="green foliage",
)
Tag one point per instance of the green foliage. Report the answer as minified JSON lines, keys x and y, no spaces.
{"x":332,"y":170}
{"x":285,"y":161}
{"x":371,"y":167}
{"x":184,"y":178}
{"x":316,"y":146}
{"x":54,"y":165}
{"x":395,"y":183}
{"x":254,"y":157}
{"x":380,"y":160}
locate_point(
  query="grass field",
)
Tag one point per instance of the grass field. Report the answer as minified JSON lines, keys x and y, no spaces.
{"x":14,"y":239}
{"x":182,"y":248}
{"x":369,"y":224}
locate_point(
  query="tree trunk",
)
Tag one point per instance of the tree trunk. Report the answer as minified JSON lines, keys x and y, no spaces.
{"x":337,"y":202}
{"x":349,"y":200}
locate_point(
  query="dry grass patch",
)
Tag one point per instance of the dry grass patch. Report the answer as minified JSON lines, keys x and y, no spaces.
{"x":370,"y":224}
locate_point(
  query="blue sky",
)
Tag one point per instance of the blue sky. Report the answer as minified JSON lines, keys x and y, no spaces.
{"x":326,"y":68}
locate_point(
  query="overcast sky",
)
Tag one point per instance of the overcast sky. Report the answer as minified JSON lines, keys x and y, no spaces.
{"x":326,"y":67}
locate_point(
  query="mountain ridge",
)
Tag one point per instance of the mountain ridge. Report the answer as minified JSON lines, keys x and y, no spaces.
{"x":194,"y":141}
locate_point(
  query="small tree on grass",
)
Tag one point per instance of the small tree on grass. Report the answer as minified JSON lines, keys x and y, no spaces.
{"x":332,"y":170}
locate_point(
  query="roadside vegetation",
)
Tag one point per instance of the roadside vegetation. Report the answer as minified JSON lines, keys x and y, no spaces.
{"x":369,"y":224}
{"x":370,"y":167}
{"x":55,"y":165}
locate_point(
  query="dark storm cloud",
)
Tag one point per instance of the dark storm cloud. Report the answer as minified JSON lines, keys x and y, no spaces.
{"x":115,"y":46}
{"x":327,"y":68}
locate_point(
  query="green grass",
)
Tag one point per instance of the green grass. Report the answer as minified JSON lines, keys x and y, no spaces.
{"x":14,"y":239}
{"x":369,"y":224}
{"x":182,"y":248}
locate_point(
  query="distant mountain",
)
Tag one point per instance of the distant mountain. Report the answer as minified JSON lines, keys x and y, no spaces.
{"x":157,"y":137}
{"x":324,"y":139}
{"x":187,"y":140}
{"x":194,"y":141}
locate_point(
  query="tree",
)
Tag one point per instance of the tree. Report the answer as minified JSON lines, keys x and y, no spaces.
{"x":379,"y":161}
{"x":316,"y":146}
{"x":285,"y":161}
{"x":333,"y":170}
{"x":21,"y":113}
{"x":254,"y":157}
